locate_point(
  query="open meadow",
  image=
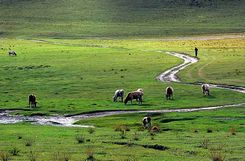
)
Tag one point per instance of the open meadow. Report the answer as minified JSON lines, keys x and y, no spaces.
{"x":73,"y":76}
{"x":74,"y":54}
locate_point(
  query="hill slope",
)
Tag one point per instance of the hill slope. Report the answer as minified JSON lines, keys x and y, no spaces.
{"x":124,"y":18}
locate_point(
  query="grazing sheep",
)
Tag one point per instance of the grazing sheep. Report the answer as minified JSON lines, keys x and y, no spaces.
{"x":12,"y":53}
{"x":147,"y":122}
{"x":205,"y":89}
{"x":118,"y":93}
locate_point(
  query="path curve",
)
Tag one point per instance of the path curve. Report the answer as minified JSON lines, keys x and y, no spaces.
{"x":170,"y":75}
{"x":167,"y":76}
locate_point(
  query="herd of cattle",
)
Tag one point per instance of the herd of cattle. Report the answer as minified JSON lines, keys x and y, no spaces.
{"x":138,"y":94}
{"x":169,"y":95}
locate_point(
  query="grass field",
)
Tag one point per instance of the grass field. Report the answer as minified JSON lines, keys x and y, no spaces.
{"x":121,"y":18}
{"x":73,"y":54}
{"x":71,"y":76}
{"x":189,"y":136}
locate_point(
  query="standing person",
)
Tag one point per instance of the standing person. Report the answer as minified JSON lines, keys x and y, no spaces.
{"x":196,"y":51}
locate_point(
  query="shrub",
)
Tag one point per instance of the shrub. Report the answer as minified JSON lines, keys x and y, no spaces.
{"x":91,"y":130}
{"x":232,"y":131}
{"x":123,"y":134}
{"x":136,"y":136}
{"x":90,"y":154}
{"x":66,"y":157}
{"x":29,"y":142}
{"x":122,"y":128}
{"x":32,"y":156}
{"x":19,"y":136}
{"x":217,"y":156}
{"x":14,"y":151}
{"x":4,"y":156}
{"x":209,"y":130}
{"x":141,"y":128}
{"x":80,"y":139}
{"x":204,"y":143}
{"x":155,"y":129}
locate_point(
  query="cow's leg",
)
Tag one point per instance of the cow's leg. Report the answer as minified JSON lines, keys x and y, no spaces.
{"x":140,"y":101}
{"x":203,"y":90}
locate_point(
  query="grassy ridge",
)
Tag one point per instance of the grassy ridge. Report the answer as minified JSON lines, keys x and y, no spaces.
{"x":109,"y":18}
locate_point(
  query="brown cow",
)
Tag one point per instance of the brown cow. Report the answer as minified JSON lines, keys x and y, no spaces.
{"x":169,"y":93}
{"x":134,"y":95}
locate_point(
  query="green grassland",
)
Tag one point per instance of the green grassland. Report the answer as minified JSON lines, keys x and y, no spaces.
{"x":71,"y":76}
{"x":73,"y":54}
{"x":121,"y":18}
{"x":189,"y":136}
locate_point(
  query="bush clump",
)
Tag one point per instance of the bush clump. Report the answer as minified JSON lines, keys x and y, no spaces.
{"x":90,"y":154}
{"x":4,"y":156}
{"x":91,"y":130}
{"x":14,"y":151}
{"x":29,"y":141}
{"x":80,"y":139}
{"x":217,"y":156}
{"x":122,"y":128}
{"x":204,"y":143}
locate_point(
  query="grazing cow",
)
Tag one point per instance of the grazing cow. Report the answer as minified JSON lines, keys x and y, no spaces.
{"x":147,"y":122}
{"x":205,"y":89}
{"x":134,"y":95}
{"x":32,"y":101}
{"x":169,"y":93}
{"x":118,"y":93}
{"x":12,"y":53}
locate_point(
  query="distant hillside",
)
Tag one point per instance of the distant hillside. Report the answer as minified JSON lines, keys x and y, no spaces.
{"x":119,"y":18}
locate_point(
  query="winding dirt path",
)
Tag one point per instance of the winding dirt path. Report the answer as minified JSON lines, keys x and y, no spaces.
{"x":170,"y":75}
{"x":167,"y":76}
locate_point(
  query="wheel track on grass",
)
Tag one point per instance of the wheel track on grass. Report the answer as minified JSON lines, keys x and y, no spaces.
{"x":167,"y":76}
